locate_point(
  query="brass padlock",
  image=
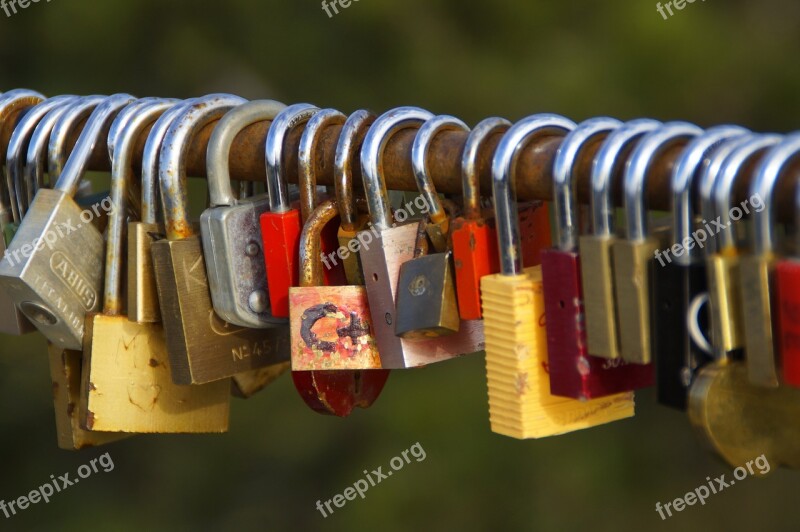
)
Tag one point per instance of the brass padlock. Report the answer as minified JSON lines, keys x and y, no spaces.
{"x":58,"y":282}
{"x":767,"y":297}
{"x":633,"y":255}
{"x":725,"y":293}
{"x":520,"y":402}
{"x":201,"y":346}
{"x":386,"y":246}
{"x":597,"y":273}
{"x":127,"y":383}
{"x":143,"y":304}
{"x":65,"y":373}
{"x":426,"y":295}
{"x":352,"y":223}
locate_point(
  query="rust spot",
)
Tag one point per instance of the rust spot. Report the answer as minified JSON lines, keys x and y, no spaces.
{"x":89,"y":420}
{"x":92,"y":387}
{"x":154,"y":363}
{"x":70,"y":409}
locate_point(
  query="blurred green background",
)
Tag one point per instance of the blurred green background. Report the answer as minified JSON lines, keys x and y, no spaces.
{"x":713,"y":62}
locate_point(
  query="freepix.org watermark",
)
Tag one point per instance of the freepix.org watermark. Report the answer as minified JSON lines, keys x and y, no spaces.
{"x":9,"y":7}
{"x":712,"y":228}
{"x":331,"y":7}
{"x":714,"y":486}
{"x":361,"y":486}
{"x":667,"y":7}
{"x":56,"y":485}
{"x":60,"y":230}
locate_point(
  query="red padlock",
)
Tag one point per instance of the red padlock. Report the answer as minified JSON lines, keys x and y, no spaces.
{"x":786,"y":296}
{"x":281,"y":226}
{"x":474,"y":236}
{"x":573,"y":371}
{"x":307,"y":161}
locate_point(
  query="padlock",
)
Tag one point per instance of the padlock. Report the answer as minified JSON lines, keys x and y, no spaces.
{"x":678,"y":281}
{"x":384,"y":247}
{"x":307,"y":162}
{"x":127,"y":384}
{"x":631,"y":256}
{"x":65,"y":373}
{"x":426,"y":295}
{"x":597,"y":277}
{"x":574,"y":372}
{"x":352,"y":223}
{"x":726,"y":294}
{"x":234,"y":251}
{"x":787,"y":287}
{"x":281,"y":226}
{"x":768,"y":339}
{"x":12,"y":103}
{"x":475,"y":252}
{"x":12,"y":321}
{"x":741,"y":421}
{"x":143,"y":305}
{"x":201,"y":346}
{"x":331,"y":328}
{"x":60,"y":277}
{"x":520,"y":402}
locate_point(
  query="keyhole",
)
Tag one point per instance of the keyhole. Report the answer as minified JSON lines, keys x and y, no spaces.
{"x":561,"y":304}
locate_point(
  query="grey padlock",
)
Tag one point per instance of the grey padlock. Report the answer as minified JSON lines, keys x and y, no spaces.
{"x":55,"y":271}
{"x":230,"y":230}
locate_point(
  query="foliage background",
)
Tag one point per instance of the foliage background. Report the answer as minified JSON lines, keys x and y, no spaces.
{"x":714,"y":62}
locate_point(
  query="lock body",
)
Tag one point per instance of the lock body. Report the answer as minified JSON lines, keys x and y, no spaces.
{"x":201,"y":346}
{"x":574,"y":372}
{"x":787,"y":308}
{"x":127,"y":384}
{"x":757,"y":276}
{"x":142,"y":294}
{"x":534,"y":223}
{"x":234,"y":254}
{"x":65,"y":372}
{"x":426,"y":298}
{"x":247,"y":384}
{"x":280,"y":233}
{"x":12,"y":321}
{"x":631,"y":276}
{"x":725,"y":297}
{"x":56,"y":269}
{"x":521,"y":404}
{"x":597,"y":277}
{"x":382,"y":254}
{"x":475,"y":255}
{"x":331,"y":329}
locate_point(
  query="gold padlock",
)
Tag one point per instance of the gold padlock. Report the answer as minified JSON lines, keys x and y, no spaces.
{"x":520,"y":403}
{"x":633,"y":255}
{"x":127,"y":381}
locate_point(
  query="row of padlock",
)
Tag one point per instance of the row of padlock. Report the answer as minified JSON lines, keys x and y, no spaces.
{"x":346,"y":291}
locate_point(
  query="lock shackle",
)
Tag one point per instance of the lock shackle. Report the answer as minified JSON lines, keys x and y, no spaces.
{"x":78,"y":161}
{"x":172,"y":158}
{"x":11,"y":102}
{"x":378,"y":136}
{"x":310,"y":243}
{"x":307,"y":160}
{"x":36,"y":158}
{"x":564,"y":182}
{"x":764,"y":185}
{"x":709,"y":174}
{"x":354,"y":129}
{"x":684,"y":177}
{"x":152,"y":148}
{"x":21,"y":192}
{"x":57,"y":148}
{"x":122,"y":139}
{"x":723,"y":186}
{"x":277,"y":185}
{"x":470,"y":173}
{"x":649,"y":148}
{"x":220,"y":188}
{"x":419,"y":162}
{"x":504,"y":190}
{"x":607,"y":160}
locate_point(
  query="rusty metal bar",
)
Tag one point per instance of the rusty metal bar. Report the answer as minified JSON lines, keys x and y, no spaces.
{"x":534,"y":177}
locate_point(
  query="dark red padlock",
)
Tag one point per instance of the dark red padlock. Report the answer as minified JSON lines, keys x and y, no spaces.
{"x":573,"y":371}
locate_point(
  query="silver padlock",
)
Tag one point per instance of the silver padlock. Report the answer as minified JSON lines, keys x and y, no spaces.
{"x":230,"y":229}
{"x":58,"y":278}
